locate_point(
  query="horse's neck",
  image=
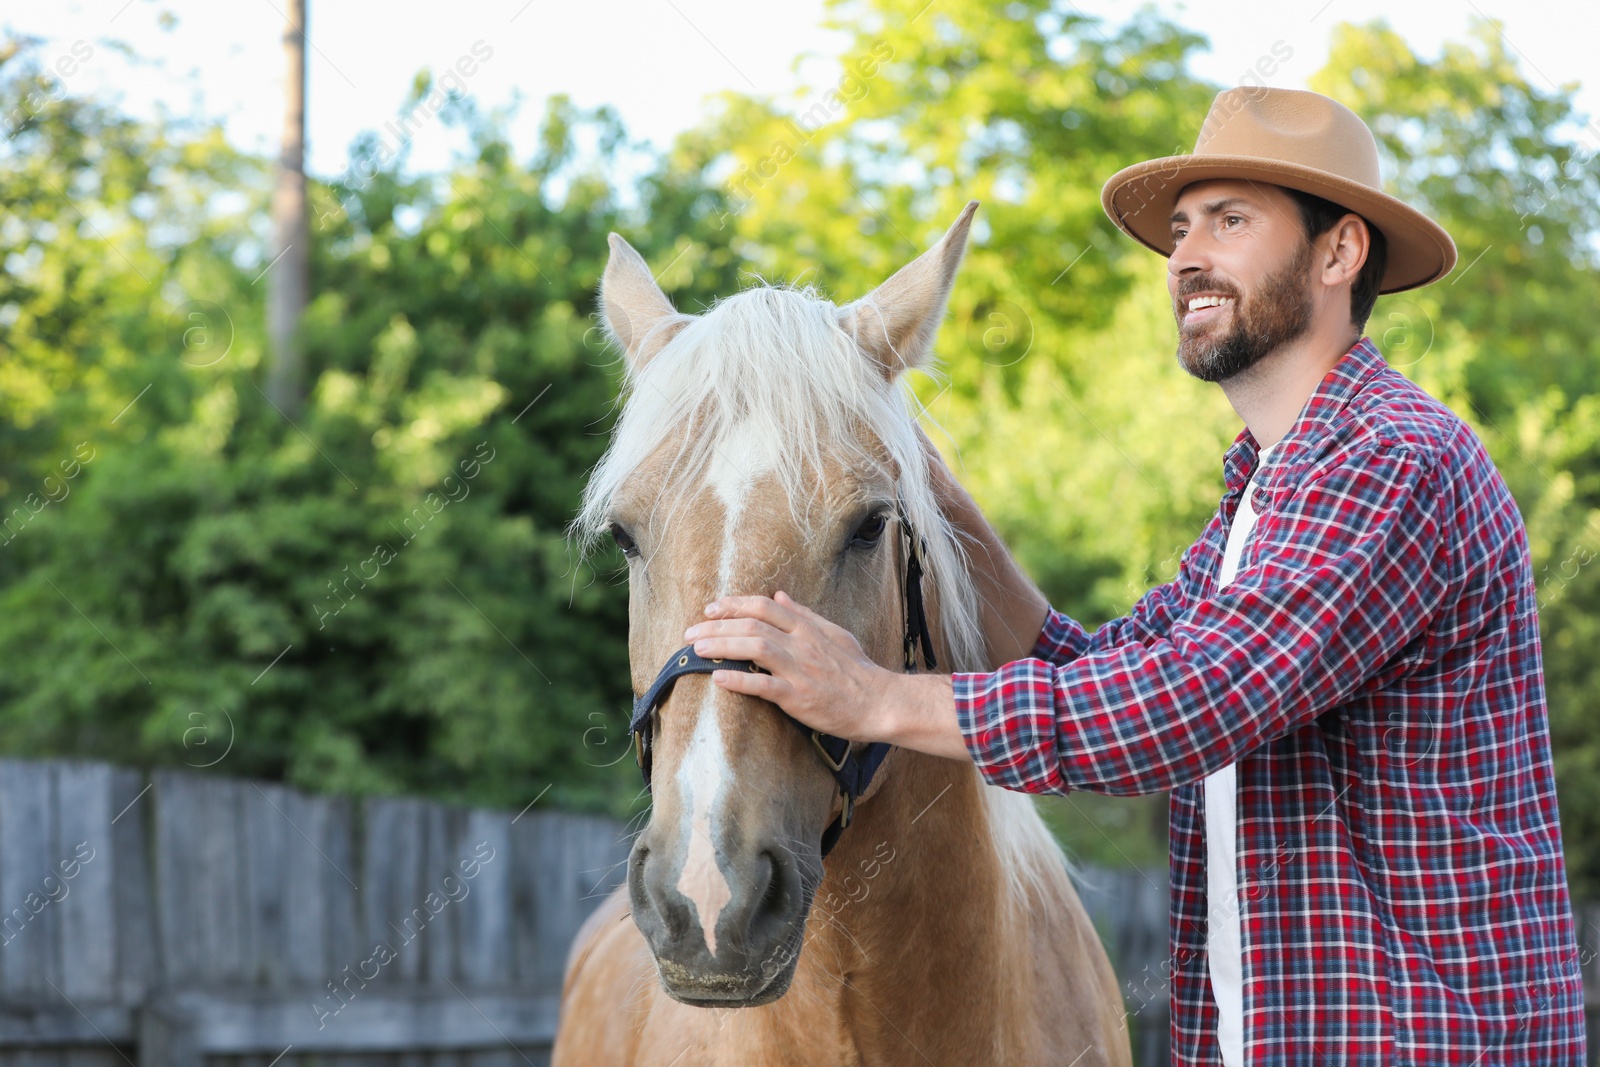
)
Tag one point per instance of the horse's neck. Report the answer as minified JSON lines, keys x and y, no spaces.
{"x":913,"y":937}
{"x":914,"y":891}
{"x":927,"y":812}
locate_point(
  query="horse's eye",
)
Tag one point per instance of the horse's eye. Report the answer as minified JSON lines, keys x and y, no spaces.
{"x":624,"y":540}
{"x":868,"y":532}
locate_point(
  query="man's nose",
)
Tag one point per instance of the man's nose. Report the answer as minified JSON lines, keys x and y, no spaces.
{"x":1192,"y":255}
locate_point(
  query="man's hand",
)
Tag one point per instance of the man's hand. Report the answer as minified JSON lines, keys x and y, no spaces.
{"x":820,"y":676}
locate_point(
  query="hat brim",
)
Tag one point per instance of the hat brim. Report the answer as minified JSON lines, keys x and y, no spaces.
{"x":1140,"y":199}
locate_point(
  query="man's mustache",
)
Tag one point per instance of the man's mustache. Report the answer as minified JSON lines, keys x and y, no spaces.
{"x":1205,"y":284}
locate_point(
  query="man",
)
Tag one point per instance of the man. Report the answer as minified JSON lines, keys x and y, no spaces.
{"x":1342,"y":687}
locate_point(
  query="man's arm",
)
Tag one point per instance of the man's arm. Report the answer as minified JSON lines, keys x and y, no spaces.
{"x":1353,"y":567}
{"x":1018,"y":622}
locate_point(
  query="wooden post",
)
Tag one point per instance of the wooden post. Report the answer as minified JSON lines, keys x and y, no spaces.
{"x":288,"y":276}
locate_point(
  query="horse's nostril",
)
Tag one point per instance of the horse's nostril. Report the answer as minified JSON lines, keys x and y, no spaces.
{"x":770,"y":912}
{"x":773,"y":890}
{"x":772,"y":898}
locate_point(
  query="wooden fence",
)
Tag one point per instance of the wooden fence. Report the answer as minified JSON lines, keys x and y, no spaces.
{"x":179,"y":920}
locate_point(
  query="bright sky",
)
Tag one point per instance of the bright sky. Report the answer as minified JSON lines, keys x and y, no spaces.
{"x":653,"y":60}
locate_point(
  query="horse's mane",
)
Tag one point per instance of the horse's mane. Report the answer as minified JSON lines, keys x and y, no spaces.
{"x":775,"y":356}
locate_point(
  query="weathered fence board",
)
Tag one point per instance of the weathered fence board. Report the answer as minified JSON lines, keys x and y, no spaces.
{"x":568,"y":864}
{"x":101,"y":1057}
{"x":29,"y":961}
{"x":200,"y":887}
{"x":485,"y":928}
{"x":133,"y":906}
{"x":395,"y":840}
{"x":394,"y":1020}
{"x":88,"y":945}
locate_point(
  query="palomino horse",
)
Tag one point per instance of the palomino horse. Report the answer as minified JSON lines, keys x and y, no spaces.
{"x":767,"y":444}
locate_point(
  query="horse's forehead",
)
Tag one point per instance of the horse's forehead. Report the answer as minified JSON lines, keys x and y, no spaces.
{"x":740,"y":459}
{"x":742,"y":469}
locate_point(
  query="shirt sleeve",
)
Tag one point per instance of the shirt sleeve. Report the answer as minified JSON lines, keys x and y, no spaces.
{"x":1062,"y":639}
{"x":1348,"y":569}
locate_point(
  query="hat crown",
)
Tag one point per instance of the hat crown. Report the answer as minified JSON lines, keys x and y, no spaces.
{"x":1291,"y":126}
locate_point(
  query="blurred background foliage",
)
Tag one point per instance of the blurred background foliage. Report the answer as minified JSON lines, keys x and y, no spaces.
{"x":378,"y":596}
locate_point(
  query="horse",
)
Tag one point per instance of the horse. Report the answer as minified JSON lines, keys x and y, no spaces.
{"x":768,"y":443}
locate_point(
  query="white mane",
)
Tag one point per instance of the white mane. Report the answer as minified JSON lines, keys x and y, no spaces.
{"x":775,"y":357}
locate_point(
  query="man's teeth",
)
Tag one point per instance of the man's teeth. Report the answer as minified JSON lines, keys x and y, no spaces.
{"x":1209,"y":302}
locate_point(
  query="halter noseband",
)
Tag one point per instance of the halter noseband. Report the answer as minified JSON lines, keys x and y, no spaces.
{"x":852,"y":771}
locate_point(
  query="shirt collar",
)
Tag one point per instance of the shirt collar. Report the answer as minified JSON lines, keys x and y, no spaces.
{"x":1342,"y":382}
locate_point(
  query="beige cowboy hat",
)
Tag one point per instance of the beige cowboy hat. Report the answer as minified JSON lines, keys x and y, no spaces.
{"x":1291,"y":138}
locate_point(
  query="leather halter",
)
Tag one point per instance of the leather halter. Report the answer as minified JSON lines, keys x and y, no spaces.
{"x":853,"y":771}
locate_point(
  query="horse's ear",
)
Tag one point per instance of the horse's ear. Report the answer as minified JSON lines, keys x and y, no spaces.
{"x":895,"y":323}
{"x":637,"y":315}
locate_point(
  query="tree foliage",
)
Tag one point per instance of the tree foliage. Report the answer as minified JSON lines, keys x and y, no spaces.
{"x":375,"y":596}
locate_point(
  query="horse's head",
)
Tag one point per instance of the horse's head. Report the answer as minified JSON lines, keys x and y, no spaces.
{"x":766,"y":444}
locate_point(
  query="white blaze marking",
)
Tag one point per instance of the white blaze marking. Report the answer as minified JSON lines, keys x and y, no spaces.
{"x":705,"y":776}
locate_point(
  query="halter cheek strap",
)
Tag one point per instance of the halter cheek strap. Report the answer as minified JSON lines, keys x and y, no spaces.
{"x":853,"y":771}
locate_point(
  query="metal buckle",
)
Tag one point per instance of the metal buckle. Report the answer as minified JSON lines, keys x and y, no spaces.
{"x":638,"y":748}
{"x":816,"y":739}
{"x":849,"y":809}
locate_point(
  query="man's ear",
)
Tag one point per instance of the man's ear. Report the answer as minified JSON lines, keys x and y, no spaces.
{"x":635,"y":312}
{"x":894,"y":325}
{"x":1349,"y":245}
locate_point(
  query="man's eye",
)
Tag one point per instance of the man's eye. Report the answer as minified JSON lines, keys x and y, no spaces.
{"x":1232,"y":219}
{"x":1178,"y":235}
{"x":868,"y":533}
{"x":624,"y":540}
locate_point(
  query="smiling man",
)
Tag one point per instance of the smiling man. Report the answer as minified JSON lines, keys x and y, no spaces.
{"x":1342,"y":686}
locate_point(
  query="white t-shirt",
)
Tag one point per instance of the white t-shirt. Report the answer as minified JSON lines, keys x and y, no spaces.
{"x":1223,"y":946}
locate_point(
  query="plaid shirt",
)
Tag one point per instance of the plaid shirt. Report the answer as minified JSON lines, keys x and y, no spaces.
{"x":1374,"y":669}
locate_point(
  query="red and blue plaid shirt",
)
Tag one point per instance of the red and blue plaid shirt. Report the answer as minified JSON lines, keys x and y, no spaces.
{"x":1374,"y":669}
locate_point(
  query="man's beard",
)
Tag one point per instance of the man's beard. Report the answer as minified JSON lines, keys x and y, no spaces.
{"x":1275,"y":314}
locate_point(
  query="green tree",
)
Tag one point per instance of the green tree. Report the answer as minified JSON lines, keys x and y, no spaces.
{"x":207,"y":563}
{"x":376,"y":595}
